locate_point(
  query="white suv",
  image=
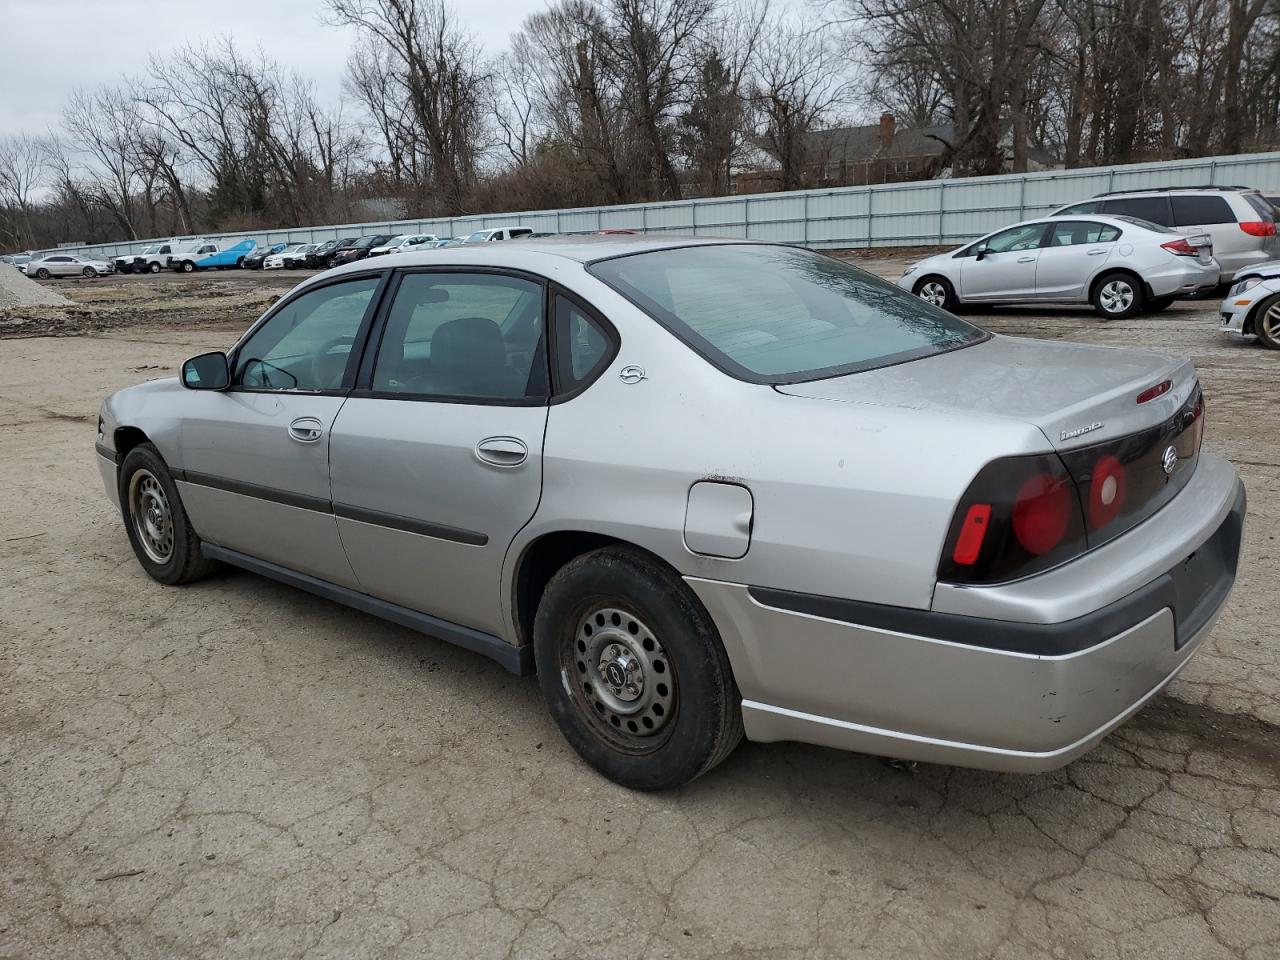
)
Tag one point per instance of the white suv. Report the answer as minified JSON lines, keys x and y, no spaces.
{"x":1240,"y":221}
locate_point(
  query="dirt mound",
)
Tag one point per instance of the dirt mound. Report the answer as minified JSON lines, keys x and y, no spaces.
{"x":16,"y":292}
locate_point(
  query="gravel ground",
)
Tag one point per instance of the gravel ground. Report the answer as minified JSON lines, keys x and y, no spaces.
{"x":237,"y":769}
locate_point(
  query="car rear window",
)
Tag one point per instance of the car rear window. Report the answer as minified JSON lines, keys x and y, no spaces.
{"x":769,"y":314}
{"x":1264,"y":205}
{"x":1155,"y":209}
{"x":1196,"y":210}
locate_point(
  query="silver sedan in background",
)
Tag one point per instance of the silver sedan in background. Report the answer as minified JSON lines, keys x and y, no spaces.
{"x":67,"y":265}
{"x":1121,"y":265}
{"x":703,"y":488}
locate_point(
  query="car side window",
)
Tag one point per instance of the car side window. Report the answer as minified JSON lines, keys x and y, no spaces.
{"x":1194,"y":210}
{"x":1155,"y":209}
{"x":1074,"y":232}
{"x":1026,"y":237}
{"x":1089,"y":206}
{"x":464,"y":335}
{"x":306,"y":344}
{"x":581,"y":345}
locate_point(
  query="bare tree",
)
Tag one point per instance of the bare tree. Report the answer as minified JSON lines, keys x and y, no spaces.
{"x":22,"y":166}
{"x":797,"y":85}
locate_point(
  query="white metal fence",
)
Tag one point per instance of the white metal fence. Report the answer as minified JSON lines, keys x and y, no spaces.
{"x":894,"y":214}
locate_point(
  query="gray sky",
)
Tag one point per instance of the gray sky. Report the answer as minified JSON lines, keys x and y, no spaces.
{"x":50,"y":47}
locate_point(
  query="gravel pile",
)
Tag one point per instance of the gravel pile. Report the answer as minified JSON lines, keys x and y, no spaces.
{"x":16,"y":292}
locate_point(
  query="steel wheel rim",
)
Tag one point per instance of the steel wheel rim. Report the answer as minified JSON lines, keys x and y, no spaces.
{"x":151,"y":515}
{"x":1270,"y":322}
{"x":1116,"y":296}
{"x":933,"y":293}
{"x":621,"y":677}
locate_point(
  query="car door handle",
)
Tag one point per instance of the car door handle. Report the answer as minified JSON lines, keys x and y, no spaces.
{"x":1096,"y":253}
{"x":306,"y":430}
{"x":1026,"y":259}
{"x":502,"y":451}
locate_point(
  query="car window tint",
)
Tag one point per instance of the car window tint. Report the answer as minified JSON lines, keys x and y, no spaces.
{"x":779,"y":314}
{"x":1026,"y":237}
{"x":306,"y":344}
{"x":1155,"y":209}
{"x":581,"y":343}
{"x":464,"y":335}
{"x":1194,"y":210}
{"x":1073,"y":232}
{"x":1089,"y":206}
{"x":1264,"y":205}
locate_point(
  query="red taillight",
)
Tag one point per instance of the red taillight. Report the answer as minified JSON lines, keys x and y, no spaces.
{"x":1042,"y":512}
{"x":974,"y":531}
{"x":1258,"y":228}
{"x":1106,"y":491}
{"x":1159,"y":390}
{"x":1181,"y":248}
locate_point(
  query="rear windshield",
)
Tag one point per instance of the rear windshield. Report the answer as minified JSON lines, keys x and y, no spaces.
{"x":1266,"y":209}
{"x":770,"y":314}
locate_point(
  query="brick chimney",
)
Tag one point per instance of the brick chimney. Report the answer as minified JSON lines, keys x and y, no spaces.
{"x":887,"y":125}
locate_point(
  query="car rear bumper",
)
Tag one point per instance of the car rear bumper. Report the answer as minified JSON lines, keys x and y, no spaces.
{"x":816,"y":677}
{"x":1184,"y":276}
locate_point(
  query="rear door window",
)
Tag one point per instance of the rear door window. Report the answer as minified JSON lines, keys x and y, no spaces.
{"x":1155,"y":209}
{"x":1196,"y":210}
{"x":1089,"y":206}
{"x":1072,"y":233}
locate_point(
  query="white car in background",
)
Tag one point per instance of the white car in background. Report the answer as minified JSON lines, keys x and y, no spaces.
{"x":499,"y":233}
{"x":404,"y":244}
{"x":1252,"y":307}
{"x":1121,"y":265}
{"x":276,"y":260}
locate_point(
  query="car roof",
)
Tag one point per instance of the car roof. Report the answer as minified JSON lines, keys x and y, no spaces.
{"x":528,"y":253}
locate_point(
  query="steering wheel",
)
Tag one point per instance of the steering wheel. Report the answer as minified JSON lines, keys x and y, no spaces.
{"x":318,"y":370}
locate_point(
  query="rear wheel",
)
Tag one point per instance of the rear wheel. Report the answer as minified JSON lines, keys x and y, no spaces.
{"x":42,"y":274}
{"x":633,"y":671}
{"x":937,"y":291}
{"x":161,"y":535}
{"x":1266,"y":322}
{"x":1158,"y":304}
{"x":1117,"y":296}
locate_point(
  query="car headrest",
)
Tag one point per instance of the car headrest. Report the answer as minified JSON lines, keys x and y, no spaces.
{"x":468,"y":343}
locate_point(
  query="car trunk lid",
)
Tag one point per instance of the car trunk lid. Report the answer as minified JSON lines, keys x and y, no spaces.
{"x":1076,"y":394}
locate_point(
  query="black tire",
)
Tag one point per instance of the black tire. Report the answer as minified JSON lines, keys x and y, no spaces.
{"x":1266,"y":327}
{"x":1158,"y":304}
{"x":183,"y":561}
{"x":155,"y":266}
{"x":940,"y":292}
{"x":89,"y":273}
{"x":240,"y":263}
{"x":1117,"y":295}
{"x":42,"y":274}
{"x":687,"y":698}
{"x":188,"y":266}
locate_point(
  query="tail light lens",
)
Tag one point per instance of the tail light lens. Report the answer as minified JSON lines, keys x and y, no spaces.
{"x":1258,"y":228}
{"x":1030,"y":520}
{"x":1023,"y":515}
{"x":1181,"y":247}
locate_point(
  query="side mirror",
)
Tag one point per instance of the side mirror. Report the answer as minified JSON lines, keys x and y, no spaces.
{"x":209,"y":371}
{"x":982,"y":252}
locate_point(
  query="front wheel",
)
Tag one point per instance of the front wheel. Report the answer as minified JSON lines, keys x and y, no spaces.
{"x":1266,"y":322}
{"x":937,"y":291}
{"x":633,"y":671}
{"x":155,"y":266}
{"x":1117,"y":296}
{"x":188,"y":266}
{"x":161,"y":535}
{"x":89,"y":272}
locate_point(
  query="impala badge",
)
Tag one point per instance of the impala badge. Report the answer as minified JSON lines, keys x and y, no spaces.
{"x":1170,"y":459}
{"x":1081,"y":431}
{"x":631,"y":373}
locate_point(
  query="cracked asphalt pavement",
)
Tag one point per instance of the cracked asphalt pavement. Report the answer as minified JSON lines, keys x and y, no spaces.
{"x":238,"y":769}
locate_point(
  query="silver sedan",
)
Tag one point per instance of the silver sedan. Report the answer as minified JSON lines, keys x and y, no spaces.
{"x":1121,"y":265}
{"x":67,"y":265}
{"x":702,"y":488}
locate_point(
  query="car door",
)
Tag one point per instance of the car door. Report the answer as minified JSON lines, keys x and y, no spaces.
{"x":436,"y":459}
{"x":1073,"y":252}
{"x":255,"y":458}
{"x":1007,"y":268}
{"x":59,"y":266}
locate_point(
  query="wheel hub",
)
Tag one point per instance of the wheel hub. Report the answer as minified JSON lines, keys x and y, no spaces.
{"x":623,"y":675}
